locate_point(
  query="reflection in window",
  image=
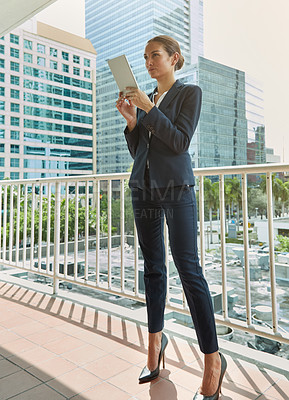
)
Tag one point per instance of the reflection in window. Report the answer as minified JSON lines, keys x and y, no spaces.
{"x":14,"y":135}
{"x":14,"y":162}
{"x":14,"y":121}
{"x":86,"y":62}
{"x":76,"y":59}
{"x":14,"y":148}
{"x":14,"y":66}
{"x":65,"y":56}
{"x":14,"y":80}
{"x":76,"y":71}
{"x":14,"y":52}
{"x":14,"y":93}
{"x":65,"y":68}
{"x":41,"y":61}
{"x":14,"y":175}
{"x":27,"y":44}
{"x":53,"y":52}
{"x":53,"y":64}
{"x":28,"y":57}
{"x":14,"y":107}
{"x":86,"y":74}
{"x":14,"y":38}
{"x":40,"y":48}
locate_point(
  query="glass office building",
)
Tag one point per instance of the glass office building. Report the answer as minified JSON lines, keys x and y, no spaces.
{"x":45,"y":103}
{"x":221,"y":135}
{"x":256,"y":149}
{"x":123,"y":27}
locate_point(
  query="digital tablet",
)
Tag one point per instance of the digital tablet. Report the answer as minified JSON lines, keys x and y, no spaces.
{"x":122,"y":72}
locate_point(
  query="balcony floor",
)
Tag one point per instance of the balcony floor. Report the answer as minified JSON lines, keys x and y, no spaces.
{"x":54,"y":348}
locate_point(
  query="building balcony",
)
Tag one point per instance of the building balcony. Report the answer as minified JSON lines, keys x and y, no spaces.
{"x":70,"y":332}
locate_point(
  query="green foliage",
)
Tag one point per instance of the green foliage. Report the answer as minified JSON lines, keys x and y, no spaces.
{"x":284,"y":243}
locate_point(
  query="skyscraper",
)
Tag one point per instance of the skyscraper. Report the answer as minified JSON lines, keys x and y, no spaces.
{"x":232,"y":110}
{"x":123,"y":27}
{"x":45,"y":103}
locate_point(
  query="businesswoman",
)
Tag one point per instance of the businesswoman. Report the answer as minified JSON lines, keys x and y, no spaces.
{"x":158,"y":133}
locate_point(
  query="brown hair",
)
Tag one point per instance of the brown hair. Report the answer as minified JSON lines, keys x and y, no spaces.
{"x":171,"y":46}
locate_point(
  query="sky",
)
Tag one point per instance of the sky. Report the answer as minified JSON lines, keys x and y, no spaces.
{"x":250,"y":35}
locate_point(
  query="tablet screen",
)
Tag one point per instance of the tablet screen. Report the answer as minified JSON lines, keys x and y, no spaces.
{"x":122,"y":72}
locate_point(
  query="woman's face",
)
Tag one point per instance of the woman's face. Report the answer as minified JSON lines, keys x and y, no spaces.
{"x":157,"y":60}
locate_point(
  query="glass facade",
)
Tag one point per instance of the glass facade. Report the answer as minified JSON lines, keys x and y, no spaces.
{"x":45,"y":116}
{"x":138,"y":21}
{"x":221,"y":136}
{"x":256,"y":149}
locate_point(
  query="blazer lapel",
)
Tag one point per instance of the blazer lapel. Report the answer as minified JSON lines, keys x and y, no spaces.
{"x":174,"y":90}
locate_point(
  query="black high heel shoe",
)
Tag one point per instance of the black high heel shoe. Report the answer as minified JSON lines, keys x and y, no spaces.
{"x":215,"y":396}
{"x":147,"y":375}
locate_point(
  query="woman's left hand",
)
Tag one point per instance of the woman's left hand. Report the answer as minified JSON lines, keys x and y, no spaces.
{"x":139,"y":99}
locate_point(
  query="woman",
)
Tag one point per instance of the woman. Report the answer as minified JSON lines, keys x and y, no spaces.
{"x":158,"y":135}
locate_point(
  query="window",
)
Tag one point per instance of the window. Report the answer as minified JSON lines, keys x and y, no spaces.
{"x":14,"y":66}
{"x":76,"y":71}
{"x":2,"y":91}
{"x":1,"y":174}
{"x":2,"y":63}
{"x":2,"y":134}
{"x":14,"y":148}
{"x":53,"y":52}
{"x":40,"y":48}
{"x":2,"y":119}
{"x":14,"y":135}
{"x":14,"y":175}
{"x":14,"y":93}
{"x":76,"y":59}
{"x":14,"y":80}
{"x":15,"y":121}
{"x":14,"y":52}
{"x":14,"y":162}
{"x":41,"y":61}
{"x":27,"y":44}
{"x":28,"y":57}
{"x":65,"y":68}
{"x":2,"y":147}
{"x":14,"y":107}
{"x":65,"y":56}
{"x":2,"y":77}
{"x":86,"y":74}
{"x":53,"y":64}
{"x":2,"y":49}
{"x":86,"y":62}
{"x":2,"y":162}
{"x":14,"y":38}
{"x":2,"y":105}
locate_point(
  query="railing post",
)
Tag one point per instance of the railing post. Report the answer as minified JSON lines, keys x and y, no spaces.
{"x":56,"y":237}
{"x":223,"y":247}
{"x":246,"y":249}
{"x":271,"y":251}
{"x":202,"y":223}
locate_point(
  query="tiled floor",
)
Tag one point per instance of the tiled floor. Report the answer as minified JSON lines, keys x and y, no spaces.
{"x":52,"y":349}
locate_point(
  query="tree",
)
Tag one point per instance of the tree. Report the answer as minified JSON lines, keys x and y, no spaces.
{"x":234,"y":193}
{"x":211,"y":193}
{"x":257,"y":199}
{"x":284,"y":243}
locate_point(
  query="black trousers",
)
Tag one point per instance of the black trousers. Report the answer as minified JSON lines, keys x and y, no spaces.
{"x":178,"y":204}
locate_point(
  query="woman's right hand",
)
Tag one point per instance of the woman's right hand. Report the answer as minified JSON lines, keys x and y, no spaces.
{"x":127,"y":110}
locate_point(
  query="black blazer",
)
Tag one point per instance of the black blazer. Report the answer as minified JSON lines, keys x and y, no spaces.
{"x":172,"y":126}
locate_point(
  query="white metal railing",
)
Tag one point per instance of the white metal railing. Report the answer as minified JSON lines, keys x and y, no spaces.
{"x":26,"y":241}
